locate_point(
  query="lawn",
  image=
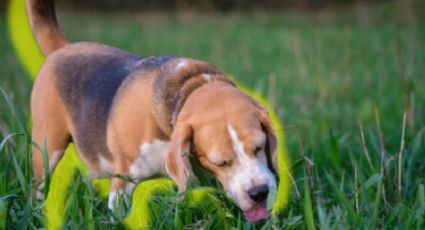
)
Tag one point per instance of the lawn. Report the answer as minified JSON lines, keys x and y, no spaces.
{"x":340,"y":79}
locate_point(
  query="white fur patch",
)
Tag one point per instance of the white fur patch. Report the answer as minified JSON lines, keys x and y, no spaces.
{"x":151,"y":160}
{"x":129,"y":187}
{"x":112,"y":200}
{"x":248,"y":173}
{"x":236,"y":144}
{"x":181,"y":64}
{"x":207,"y":77}
{"x":39,"y":194}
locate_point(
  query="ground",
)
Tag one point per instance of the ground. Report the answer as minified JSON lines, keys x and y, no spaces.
{"x":334,"y":76}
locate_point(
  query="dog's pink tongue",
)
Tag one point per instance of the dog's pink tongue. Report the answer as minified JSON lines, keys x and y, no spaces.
{"x":256,"y":214}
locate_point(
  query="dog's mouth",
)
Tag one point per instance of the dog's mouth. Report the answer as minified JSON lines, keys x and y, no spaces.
{"x":257,"y":213}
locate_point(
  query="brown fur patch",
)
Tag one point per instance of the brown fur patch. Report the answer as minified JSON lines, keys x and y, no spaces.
{"x":175,"y":81}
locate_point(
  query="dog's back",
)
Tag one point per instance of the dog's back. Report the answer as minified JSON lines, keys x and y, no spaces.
{"x":88,"y":83}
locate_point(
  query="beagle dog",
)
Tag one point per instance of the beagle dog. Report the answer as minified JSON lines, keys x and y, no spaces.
{"x":141,"y":116}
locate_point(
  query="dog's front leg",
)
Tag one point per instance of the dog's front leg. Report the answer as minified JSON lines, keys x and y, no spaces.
{"x":117,"y":197}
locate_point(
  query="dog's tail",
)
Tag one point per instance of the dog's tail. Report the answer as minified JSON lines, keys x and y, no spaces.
{"x":42,"y":18}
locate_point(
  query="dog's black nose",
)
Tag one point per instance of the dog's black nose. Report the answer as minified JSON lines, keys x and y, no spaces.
{"x":259,"y":194}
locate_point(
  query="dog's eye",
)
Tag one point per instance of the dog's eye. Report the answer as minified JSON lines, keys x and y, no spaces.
{"x":257,"y":150}
{"x":223,"y":163}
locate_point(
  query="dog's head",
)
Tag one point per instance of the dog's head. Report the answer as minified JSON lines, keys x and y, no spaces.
{"x":232,"y":137}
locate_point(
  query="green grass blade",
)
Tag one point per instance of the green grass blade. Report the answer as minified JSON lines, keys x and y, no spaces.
{"x":322,"y":216}
{"x":416,"y":145}
{"x":334,"y":153}
{"x":374,"y":179}
{"x":177,"y":221}
{"x":20,"y":175}
{"x":308,"y":209}
{"x":347,"y":206}
{"x":4,"y":141}
{"x":46,"y":169}
{"x":3,"y":215}
{"x":88,"y":207}
{"x":421,"y":210}
{"x":376,"y":206}
{"x":21,"y":120}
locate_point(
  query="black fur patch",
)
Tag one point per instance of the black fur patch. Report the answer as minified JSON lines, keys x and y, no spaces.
{"x":88,"y":85}
{"x":151,"y":63}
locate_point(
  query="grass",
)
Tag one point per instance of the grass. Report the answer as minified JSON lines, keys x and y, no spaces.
{"x":344,"y":80}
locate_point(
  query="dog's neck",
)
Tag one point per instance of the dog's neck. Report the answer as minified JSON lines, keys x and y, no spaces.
{"x":175,"y":83}
{"x":186,"y":91}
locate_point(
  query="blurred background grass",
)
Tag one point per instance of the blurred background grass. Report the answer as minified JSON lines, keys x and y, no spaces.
{"x":326,"y":66}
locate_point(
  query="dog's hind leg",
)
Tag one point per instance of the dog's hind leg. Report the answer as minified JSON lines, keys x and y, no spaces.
{"x":50,"y":140}
{"x":50,"y":132}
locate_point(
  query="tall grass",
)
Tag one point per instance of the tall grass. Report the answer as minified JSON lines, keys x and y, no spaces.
{"x":336,"y":77}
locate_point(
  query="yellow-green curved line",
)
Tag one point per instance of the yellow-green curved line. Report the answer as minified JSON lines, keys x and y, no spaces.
{"x":22,"y":39}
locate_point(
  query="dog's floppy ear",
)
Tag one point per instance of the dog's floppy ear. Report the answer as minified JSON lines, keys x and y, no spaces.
{"x":177,"y":161}
{"x":271,"y":145}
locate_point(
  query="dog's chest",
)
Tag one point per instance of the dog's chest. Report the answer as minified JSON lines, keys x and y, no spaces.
{"x":151,"y":160}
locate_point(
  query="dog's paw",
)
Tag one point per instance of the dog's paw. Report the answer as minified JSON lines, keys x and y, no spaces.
{"x":118,"y":203}
{"x":39,"y":195}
